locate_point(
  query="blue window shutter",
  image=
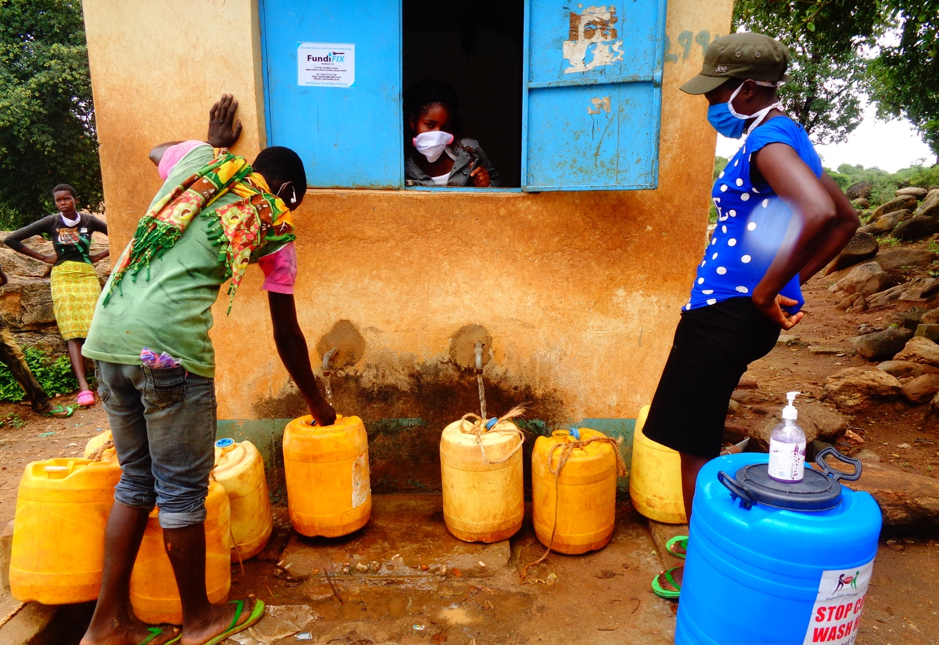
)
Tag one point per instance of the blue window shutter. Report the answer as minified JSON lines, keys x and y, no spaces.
{"x":347,"y":136}
{"x":592,"y":95}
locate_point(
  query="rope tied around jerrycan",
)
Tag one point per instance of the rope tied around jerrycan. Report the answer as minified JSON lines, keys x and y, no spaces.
{"x":98,"y":453}
{"x":479,"y":429}
{"x":567,"y":448}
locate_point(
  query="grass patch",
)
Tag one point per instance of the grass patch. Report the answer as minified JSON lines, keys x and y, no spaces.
{"x":55,"y":376}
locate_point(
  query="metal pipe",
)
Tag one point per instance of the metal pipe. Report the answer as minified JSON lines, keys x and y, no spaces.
{"x":328,"y":356}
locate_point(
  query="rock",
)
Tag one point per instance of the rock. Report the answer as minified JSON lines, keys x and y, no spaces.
{"x":853,"y":437}
{"x":916,"y":228}
{"x":881,"y":345}
{"x":817,"y":420}
{"x":921,"y":289}
{"x":912,"y":191}
{"x":907,"y":319}
{"x":930,"y":205}
{"x":747,"y":383}
{"x":920,"y":350}
{"x":861,"y":247}
{"x":866,"y":279}
{"x":860,"y":189}
{"x":885,"y":223}
{"x":787,"y":339}
{"x":896,"y":204}
{"x":930,"y":317}
{"x":906,"y":369}
{"x":750,"y":397}
{"x":868,"y":455}
{"x":928,"y":331}
{"x":855,"y":303}
{"x":825,"y":351}
{"x":854,"y":386}
{"x":885,"y":297}
{"x":909,"y":502}
{"x":861,"y":203}
{"x":921,"y":389}
{"x":903,"y":258}
{"x":733,"y":407}
{"x":812,"y":448}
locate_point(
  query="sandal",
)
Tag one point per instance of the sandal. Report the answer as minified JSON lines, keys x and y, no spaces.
{"x":682,"y":542}
{"x":156,"y":632}
{"x":257,"y":612}
{"x":86,"y":398}
{"x":662,"y":592}
{"x":57,"y":411}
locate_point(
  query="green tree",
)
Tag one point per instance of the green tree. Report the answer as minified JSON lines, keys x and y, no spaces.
{"x":47,"y":125}
{"x":824,"y":38}
{"x":905,"y":76}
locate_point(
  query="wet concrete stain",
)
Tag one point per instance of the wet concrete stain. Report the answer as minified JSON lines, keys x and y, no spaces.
{"x":404,"y":422}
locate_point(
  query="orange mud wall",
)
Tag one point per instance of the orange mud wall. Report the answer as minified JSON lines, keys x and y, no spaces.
{"x":579,"y":291}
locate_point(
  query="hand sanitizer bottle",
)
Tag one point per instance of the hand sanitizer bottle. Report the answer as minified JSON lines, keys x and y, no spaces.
{"x":787,"y":446}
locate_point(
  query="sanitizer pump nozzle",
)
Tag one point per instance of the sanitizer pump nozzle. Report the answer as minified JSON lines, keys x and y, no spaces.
{"x":787,"y":446}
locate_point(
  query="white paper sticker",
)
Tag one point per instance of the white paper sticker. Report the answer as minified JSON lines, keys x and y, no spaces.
{"x":361,"y":486}
{"x":326,"y":64}
{"x":837,"y":612}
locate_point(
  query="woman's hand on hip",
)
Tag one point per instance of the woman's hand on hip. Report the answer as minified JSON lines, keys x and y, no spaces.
{"x":48,"y":259}
{"x":773,"y":309}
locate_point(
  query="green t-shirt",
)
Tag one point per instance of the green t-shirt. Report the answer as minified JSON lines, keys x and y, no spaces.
{"x":172,"y":311}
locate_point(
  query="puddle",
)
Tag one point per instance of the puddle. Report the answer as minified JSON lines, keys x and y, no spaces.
{"x":455,"y":616}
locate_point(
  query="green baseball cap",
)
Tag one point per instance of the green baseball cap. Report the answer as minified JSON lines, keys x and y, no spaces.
{"x":744,"y":56}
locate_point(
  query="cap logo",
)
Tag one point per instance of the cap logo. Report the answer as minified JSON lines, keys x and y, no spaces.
{"x":721,"y":69}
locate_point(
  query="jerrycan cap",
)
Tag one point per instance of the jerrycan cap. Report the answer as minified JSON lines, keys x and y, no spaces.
{"x":225,"y":443}
{"x":491,"y":422}
{"x":818,"y":491}
{"x":575,"y":432}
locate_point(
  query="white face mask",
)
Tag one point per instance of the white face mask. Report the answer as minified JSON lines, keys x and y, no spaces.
{"x":432,"y":144}
{"x":759,"y":115}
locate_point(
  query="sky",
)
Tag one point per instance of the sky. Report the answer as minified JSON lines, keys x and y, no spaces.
{"x":889,"y":145}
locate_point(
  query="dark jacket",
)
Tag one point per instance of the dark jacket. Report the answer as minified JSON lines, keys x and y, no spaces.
{"x":459,"y":174}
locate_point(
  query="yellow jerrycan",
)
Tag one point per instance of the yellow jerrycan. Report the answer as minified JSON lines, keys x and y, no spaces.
{"x":97,"y":448}
{"x":482,"y":478}
{"x":655,"y":478}
{"x":58,"y":534}
{"x":240,"y":470}
{"x":326,"y":468}
{"x":583,"y":493}
{"x":153,"y":592}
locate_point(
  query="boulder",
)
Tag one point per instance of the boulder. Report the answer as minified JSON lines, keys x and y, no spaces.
{"x":928,"y":331}
{"x":868,"y":455}
{"x":859,"y":190}
{"x":921,"y":389}
{"x":881,"y":345}
{"x":907,"y":319}
{"x":930,"y":317}
{"x":750,"y":397}
{"x":817,"y":420}
{"x":886,"y":296}
{"x":895,"y":204}
{"x":902,"y":258}
{"x":885,"y":223}
{"x":912,"y":191}
{"x":916,"y":228}
{"x":866,"y":279}
{"x":920,"y":350}
{"x":907,"y":369}
{"x":921,"y":289}
{"x":855,"y":303}
{"x":930,"y":205}
{"x":909,"y":501}
{"x":861,"y":203}
{"x":854,"y":386}
{"x":862,"y":246}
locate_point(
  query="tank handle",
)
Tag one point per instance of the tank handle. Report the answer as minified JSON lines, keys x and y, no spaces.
{"x":837,"y":474}
{"x":736,"y":489}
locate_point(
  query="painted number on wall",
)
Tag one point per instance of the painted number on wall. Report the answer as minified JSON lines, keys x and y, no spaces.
{"x":686,"y":40}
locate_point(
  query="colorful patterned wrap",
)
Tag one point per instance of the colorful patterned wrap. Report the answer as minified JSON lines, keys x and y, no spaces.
{"x":75,"y":291}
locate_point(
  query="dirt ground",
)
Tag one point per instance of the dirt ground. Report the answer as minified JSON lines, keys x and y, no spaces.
{"x":901,"y":607}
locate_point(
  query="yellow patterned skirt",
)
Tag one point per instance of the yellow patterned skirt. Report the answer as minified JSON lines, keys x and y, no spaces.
{"x":75,"y":291}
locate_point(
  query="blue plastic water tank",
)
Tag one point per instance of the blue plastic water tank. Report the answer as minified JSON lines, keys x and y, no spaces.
{"x":757,"y":574}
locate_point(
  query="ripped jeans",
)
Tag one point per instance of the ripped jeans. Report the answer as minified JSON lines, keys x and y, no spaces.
{"x":163,"y":422}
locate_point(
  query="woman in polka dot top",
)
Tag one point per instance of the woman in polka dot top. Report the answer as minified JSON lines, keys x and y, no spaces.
{"x":780,"y":220}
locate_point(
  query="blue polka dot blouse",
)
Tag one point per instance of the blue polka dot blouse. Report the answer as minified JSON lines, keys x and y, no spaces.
{"x":752,"y":222}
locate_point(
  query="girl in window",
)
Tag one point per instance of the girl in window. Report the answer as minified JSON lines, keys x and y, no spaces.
{"x":437,"y":152}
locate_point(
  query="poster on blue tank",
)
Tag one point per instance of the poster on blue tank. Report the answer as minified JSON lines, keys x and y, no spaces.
{"x":836,"y":616}
{"x":326,"y":64}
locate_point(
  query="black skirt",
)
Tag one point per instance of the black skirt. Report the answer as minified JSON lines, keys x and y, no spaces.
{"x":712,"y":348}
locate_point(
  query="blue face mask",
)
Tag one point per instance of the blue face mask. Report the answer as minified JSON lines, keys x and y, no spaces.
{"x":730,"y":123}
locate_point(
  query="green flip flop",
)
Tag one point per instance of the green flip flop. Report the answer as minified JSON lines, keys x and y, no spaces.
{"x":662,"y":592}
{"x":682,"y":542}
{"x":256,"y":614}
{"x":156,"y":632}
{"x":61,"y":412}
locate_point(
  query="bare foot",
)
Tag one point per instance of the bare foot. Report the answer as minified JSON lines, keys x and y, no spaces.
{"x":130,"y":633}
{"x":218,"y":622}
